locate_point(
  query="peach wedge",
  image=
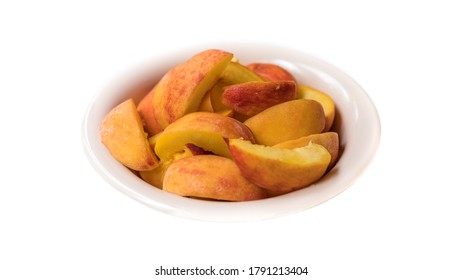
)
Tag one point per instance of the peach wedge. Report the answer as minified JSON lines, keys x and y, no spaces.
{"x":287,"y":121}
{"x":210,"y":177}
{"x":123,"y":135}
{"x":327,"y":103}
{"x":234,"y":73}
{"x":279,"y":170}
{"x":329,"y":140}
{"x":182,"y":88}
{"x":252,"y":98}
{"x":203,"y":129}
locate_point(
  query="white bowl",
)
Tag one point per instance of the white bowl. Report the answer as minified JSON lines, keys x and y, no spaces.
{"x":357,"y":123}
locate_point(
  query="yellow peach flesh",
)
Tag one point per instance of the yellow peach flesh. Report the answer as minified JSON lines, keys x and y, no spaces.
{"x":155,"y":176}
{"x":329,"y":140}
{"x":203,"y":129}
{"x":277,"y":169}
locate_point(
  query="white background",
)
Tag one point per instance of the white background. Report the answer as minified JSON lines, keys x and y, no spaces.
{"x":60,"y":220}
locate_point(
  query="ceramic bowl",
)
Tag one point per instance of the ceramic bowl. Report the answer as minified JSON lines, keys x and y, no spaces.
{"x":357,"y":123}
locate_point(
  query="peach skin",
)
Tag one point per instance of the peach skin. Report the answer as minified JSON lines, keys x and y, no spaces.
{"x":252,"y":98}
{"x":210,"y":177}
{"x":234,"y":73}
{"x":271,"y":72}
{"x":182,"y":88}
{"x":146,"y":111}
{"x":123,"y":135}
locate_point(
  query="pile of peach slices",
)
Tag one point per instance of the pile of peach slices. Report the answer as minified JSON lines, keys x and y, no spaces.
{"x":215,"y":129}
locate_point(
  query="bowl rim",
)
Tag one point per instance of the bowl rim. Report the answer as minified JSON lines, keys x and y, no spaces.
{"x":300,"y":62}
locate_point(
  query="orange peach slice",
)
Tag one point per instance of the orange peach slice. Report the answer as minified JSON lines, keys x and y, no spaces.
{"x":271,"y":72}
{"x":203,"y":129}
{"x":210,"y":177}
{"x":277,"y":169}
{"x":182,"y":88}
{"x":123,"y":135}
{"x":287,"y":121}
{"x":146,"y":111}
{"x":329,"y":140}
{"x":252,"y":98}
{"x":306,"y":92}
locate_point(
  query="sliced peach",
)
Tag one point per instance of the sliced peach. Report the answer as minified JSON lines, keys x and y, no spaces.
{"x":123,"y":135}
{"x":234,"y":73}
{"x":146,"y":111}
{"x":329,"y":140}
{"x":287,"y":121}
{"x":277,"y":169}
{"x":252,"y":98}
{"x":271,"y":72}
{"x":203,"y":129}
{"x":306,"y":92}
{"x":182,"y":88}
{"x":210,"y":177}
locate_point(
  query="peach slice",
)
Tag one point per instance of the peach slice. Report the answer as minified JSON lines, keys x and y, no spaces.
{"x":234,"y":73}
{"x":287,"y":121}
{"x":210,"y":177}
{"x":329,"y":140}
{"x":306,"y":92}
{"x":252,"y":98}
{"x":271,"y":72}
{"x":123,"y":135}
{"x":146,"y":111}
{"x":277,"y":169}
{"x":181,"y":89}
{"x":203,"y":129}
